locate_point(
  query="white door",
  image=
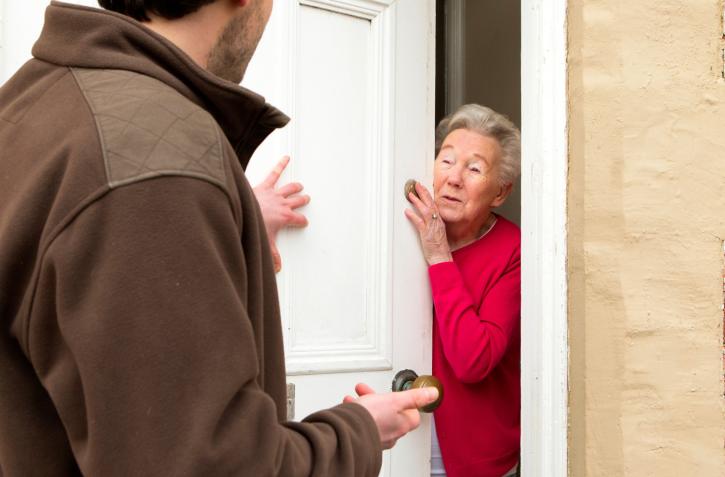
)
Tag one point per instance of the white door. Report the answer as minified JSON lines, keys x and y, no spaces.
{"x":357,"y":77}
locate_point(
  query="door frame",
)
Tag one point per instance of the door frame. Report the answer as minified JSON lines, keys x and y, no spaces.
{"x":544,"y":328}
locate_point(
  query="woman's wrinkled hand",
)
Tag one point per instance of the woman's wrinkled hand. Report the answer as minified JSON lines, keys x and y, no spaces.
{"x":430,"y":226}
{"x":278,"y":206}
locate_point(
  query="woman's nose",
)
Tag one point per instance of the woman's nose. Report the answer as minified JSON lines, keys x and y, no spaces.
{"x":455,"y":177}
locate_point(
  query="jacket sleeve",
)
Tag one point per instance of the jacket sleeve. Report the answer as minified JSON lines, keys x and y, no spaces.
{"x":140,"y":334}
{"x":475,"y":340}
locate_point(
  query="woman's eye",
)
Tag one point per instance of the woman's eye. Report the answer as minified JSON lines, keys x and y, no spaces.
{"x":475,"y":169}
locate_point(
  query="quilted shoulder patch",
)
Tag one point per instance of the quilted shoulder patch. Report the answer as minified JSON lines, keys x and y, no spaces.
{"x":149,"y":129}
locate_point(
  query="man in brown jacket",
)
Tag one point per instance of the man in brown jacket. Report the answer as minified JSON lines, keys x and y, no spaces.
{"x":140,"y":330}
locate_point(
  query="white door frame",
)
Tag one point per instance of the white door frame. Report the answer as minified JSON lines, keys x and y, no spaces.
{"x":544,"y":345}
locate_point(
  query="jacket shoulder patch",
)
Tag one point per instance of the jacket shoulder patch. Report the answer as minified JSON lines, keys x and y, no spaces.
{"x":148,"y":129}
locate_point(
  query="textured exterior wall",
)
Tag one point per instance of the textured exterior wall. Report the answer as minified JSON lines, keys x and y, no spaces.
{"x":646,"y":229}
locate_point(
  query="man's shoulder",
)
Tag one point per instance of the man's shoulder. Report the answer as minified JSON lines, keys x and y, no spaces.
{"x":149,"y":129}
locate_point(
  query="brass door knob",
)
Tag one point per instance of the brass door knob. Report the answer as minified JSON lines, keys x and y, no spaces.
{"x":409,"y":379}
{"x":410,"y":187}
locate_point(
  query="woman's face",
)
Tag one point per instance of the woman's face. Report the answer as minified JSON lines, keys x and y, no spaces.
{"x":466,"y":180}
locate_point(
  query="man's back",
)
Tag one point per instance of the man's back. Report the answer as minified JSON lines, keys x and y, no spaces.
{"x":82,"y":153}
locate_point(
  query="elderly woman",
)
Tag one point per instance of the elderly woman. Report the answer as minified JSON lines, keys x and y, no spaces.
{"x":474,"y":269}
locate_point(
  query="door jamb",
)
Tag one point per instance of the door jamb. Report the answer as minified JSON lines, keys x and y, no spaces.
{"x":544,"y":329}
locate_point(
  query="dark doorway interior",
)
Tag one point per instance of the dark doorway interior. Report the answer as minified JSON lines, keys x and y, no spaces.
{"x":479,"y":61}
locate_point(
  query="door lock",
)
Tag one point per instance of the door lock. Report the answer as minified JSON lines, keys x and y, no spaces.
{"x":290,"y":401}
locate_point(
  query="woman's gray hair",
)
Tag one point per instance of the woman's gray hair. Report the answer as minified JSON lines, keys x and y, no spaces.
{"x":487,"y":122}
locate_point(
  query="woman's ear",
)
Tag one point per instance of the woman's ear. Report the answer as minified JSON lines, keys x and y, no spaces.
{"x":502,"y":195}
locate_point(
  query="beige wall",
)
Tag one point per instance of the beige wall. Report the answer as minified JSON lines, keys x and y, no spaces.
{"x":646,"y":228}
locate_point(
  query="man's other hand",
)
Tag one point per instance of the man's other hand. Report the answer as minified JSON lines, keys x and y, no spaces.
{"x":278,"y":206}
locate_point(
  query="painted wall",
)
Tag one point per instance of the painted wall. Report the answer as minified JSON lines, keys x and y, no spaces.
{"x":646,"y":229}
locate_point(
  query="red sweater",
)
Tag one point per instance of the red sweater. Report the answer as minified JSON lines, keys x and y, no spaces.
{"x":476,"y":353}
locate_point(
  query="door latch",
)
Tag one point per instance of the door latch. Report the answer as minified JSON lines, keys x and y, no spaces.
{"x":290,"y":401}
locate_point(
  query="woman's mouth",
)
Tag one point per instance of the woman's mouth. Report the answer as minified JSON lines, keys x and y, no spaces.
{"x":448,"y":198}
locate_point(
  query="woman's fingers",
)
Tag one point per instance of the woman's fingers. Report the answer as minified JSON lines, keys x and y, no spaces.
{"x":431,"y":228}
{"x":422,"y":209}
{"x":415,"y":220}
{"x":423,"y":201}
{"x":428,"y":212}
{"x":424,"y":194}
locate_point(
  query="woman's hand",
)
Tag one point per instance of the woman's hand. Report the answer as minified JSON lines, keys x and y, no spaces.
{"x":278,"y":207}
{"x":431,"y":228}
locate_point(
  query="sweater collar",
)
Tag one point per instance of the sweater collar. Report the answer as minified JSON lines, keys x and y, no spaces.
{"x":77,"y":36}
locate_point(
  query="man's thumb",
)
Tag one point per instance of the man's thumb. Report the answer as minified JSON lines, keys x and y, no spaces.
{"x":421,"y":397}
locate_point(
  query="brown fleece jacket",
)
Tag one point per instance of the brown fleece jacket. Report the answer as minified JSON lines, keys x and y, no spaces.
{"x":139,"y":319}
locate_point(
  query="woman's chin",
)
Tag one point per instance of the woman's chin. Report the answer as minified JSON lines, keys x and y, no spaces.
{"x":450,"y":218}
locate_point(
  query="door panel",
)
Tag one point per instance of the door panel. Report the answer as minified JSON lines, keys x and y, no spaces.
{"x":342,"y":324}
{"x":340,"y":327}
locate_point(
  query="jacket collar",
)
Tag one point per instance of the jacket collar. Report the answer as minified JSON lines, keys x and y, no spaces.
{"x":93,"y":38}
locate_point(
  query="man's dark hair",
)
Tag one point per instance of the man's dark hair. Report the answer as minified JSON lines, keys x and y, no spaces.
{"x":139,"y":9}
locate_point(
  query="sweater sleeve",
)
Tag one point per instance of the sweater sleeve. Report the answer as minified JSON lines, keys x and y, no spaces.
{"x":474,"y":340}
{"x":141,"y":335}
